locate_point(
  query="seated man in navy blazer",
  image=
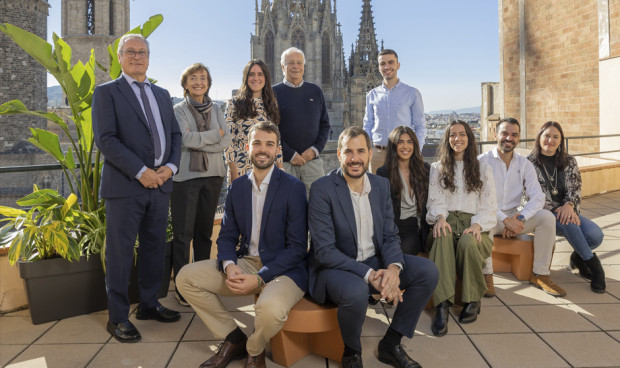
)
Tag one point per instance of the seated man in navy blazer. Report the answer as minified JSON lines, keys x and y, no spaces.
{"x":356,"y":250}
{"x":136,"y":131}
{"x":262,"y":248}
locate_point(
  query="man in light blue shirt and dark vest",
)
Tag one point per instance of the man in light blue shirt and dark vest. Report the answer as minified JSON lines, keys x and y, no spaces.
{"x":390,"y":105}
{"x":304,"y":123}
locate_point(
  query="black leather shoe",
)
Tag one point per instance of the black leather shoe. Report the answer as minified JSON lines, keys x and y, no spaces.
{"x":470,"y":312}
{"x":352,"y":361}
{"x":396,"y":356}
{"x":160,"y":313}
{"x":124,"y":331}
{"x":440,"y":319}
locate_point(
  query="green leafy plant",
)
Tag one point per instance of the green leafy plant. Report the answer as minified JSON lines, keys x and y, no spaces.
{"x":49,"y":229}
{"x":81,"y":162}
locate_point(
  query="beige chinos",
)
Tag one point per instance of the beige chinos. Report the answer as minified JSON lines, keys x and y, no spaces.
{"x":201,"y":284}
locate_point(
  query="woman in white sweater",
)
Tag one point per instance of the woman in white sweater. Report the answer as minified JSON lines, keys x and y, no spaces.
{"x":462,"y":207}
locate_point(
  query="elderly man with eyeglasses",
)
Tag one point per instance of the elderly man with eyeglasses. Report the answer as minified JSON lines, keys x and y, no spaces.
{"x":304,"y":123}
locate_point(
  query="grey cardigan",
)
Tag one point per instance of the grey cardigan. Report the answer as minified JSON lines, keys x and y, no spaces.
{"x":208,"y":141}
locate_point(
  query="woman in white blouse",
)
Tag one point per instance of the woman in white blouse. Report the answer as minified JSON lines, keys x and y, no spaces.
{"x":462,"y":206}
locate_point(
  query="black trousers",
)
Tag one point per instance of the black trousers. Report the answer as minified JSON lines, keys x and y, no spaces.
{"x":410,"y":239}
{"x":193,"y":206}
{"x":350,"y":293}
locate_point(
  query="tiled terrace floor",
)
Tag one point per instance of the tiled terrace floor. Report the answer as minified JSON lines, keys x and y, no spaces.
{"x":520,"y":327}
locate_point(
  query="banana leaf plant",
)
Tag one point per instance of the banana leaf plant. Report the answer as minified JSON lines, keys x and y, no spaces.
{"x":81,"y":161}
{"x":54,"y":226}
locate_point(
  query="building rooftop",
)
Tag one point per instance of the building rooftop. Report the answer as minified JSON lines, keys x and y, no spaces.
{"x":522,"y":326}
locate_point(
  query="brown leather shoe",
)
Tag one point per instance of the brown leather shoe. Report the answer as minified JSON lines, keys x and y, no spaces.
{"x":488,"y":279}
{"x":226,"y":352}
{"x":545,"y":283}
{"x":255,"y":361}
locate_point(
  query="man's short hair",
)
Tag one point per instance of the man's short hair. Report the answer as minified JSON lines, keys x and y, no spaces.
{"x":289,"y":51}
{"x":388,"y":52}
{"x":266,"y":126}
{"x":352,"y":132}
{"x":132,"y":36}
{"x":512,"y":121}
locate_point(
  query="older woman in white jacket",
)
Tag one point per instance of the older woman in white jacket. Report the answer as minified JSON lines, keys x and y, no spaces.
{"x":198,"y":183}
{"x":462,"y":206}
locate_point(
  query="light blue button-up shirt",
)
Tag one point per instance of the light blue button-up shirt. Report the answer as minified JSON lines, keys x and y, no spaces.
{"x":387,"y":109}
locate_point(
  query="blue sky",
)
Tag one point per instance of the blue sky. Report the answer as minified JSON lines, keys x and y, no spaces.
{"x":446,"y":48}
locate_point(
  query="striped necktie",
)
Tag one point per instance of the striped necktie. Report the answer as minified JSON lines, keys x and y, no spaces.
{"x":150,"y":120}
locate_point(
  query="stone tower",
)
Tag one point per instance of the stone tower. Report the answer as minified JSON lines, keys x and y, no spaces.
{"x":90,"y":24}
{"x":312,"y":26}
{"x":21,"y":77}
{"x":363,"y":66}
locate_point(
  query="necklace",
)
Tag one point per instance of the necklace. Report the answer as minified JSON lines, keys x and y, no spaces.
{"x":552,"y":179}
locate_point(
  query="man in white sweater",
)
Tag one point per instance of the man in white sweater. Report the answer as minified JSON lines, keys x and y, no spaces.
{"x":515,"y":175}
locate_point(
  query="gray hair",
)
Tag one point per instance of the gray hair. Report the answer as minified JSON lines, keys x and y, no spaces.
{"x":132,"y":36}
{"x":291,"y":50}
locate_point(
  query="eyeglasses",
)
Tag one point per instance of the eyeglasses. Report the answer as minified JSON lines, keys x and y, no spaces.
{"x":293,"y":62}
{"x":133,"y":54}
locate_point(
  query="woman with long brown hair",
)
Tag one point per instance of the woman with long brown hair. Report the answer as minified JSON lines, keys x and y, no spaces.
{"x":462,"y":206}
{"x":255,"y":102}
{"x":408,"y":175}
{"x":560,"y":180}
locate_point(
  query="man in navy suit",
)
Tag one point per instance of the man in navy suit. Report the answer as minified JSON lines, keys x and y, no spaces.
{"x":262,"y":248}
{"x":356,"y":250}
{"x":136,"y":131}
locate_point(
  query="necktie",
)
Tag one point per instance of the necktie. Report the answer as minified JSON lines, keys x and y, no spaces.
{"x":150,"y":120}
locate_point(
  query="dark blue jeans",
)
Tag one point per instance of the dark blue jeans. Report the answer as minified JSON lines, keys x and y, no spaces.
{"x":583,"y":238}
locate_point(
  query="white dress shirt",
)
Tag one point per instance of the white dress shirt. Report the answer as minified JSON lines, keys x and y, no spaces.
{"x":363,"y":221}
{"x":511,"y":182}
{"x":482,"y":205}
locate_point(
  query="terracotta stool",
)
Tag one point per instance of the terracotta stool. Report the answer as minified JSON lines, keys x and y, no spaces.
{"x":310,"y":328}
{"x":514,"y":255}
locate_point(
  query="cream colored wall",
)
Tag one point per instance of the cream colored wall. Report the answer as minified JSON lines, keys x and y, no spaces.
{"x":600,"y":179}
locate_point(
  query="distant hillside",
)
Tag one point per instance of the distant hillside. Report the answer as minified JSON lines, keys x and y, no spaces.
{"x":54,"y":96}
{"x":459,"y":111}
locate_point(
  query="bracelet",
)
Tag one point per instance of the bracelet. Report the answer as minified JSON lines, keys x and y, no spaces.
{"x":261,"y":283}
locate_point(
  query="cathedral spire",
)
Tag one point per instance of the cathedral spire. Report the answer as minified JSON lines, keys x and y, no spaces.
{"x":366,"y":39}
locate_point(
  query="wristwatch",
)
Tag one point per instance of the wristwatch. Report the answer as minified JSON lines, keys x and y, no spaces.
{"x":521,"y":218}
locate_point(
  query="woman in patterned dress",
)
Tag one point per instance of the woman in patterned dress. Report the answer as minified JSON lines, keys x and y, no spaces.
{"x":462,"y":206}
{"x":255,"y":102}
{"x":560,"y":180}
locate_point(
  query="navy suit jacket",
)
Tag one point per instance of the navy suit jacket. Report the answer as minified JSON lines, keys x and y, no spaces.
{"x":122,"y":135}
{"x":334,"y":233}
{"x":283,"y":243}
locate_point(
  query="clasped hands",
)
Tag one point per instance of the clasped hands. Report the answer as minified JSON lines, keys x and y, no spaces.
{"x":566,"y":214}
{"x":301,"y":159}
{"x":239,"y":282}
{"x":154,"y":179}
{"x":387,"y":282}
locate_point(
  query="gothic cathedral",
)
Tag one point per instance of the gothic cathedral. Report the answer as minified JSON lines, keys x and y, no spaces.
{"x":312,"y":26}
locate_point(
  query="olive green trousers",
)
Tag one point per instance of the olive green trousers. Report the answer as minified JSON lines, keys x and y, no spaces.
{"x":462,"y":255}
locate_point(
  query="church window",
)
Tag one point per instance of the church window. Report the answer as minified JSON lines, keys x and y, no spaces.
{"x":90,"y":16}
{"x":326,"y":60}
{"x":268,"y":55}
{"x":298,"y":39}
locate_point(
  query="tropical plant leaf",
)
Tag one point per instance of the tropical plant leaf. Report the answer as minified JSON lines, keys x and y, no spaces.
{"x":43,"y":197}
{"x":17,"y":107}
{"x":11,"y":212}
{"x":48,"y":142}
{"x":151,"y":25}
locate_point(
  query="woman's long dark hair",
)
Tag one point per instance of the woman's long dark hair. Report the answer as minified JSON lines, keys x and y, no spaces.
{"x":561,"y":157}
{"x":471,"y":174}
{"x":244,"y":102}
{"x":418,"y":173}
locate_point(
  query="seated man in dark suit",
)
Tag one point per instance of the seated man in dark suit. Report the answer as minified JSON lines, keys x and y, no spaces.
{"x":262,"y":248}
{"x":356,"y":249}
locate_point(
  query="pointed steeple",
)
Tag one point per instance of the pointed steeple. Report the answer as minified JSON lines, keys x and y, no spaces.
{"x":367,"y":39}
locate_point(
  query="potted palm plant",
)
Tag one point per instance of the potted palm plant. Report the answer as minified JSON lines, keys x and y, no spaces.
{"x":60,"y":234}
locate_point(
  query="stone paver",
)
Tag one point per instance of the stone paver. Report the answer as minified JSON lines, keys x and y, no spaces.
{"x":521,"y":327}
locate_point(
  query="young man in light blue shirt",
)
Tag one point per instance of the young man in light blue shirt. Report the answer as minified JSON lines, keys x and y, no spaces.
{"x":390,"y":105}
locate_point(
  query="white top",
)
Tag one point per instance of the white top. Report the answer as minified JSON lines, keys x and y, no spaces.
{"x":481,"y":204}
{"x":511,"y":182}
